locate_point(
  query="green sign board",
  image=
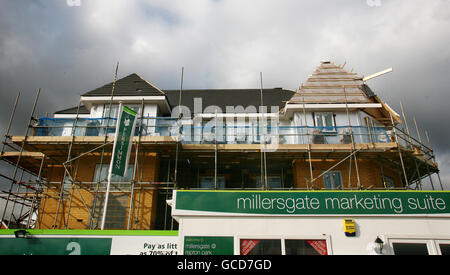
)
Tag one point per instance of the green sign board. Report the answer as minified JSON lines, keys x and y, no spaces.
{"x":123,"y":141}
{"x":55,"y":246}
{"x":312,"y":203}
{"x":208,"y":245}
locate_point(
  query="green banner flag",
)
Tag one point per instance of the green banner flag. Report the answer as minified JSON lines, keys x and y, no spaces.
{"x":123,"y":141}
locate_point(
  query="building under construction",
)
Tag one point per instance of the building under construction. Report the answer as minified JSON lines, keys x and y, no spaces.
{"x":194,"y":151}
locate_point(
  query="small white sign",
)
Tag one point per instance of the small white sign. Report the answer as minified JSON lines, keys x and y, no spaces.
{"x":144,"y":245}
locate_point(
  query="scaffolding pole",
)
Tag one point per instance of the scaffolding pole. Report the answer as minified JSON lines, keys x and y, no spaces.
{"x":20,"y":156}
{"x":135,"y":168}
{"x":399,"y":150}
{"x":37,"y":190}
{"x":215,"y":152}
{"x":18,"y":187}
{"x":263,"y":137}
{"x":353,"y":140}
{"x":411,"y":144}
{"x":309,"y":146}
{"x":66,"y":172}
{"x":178,"y":130}
{"x":10,"y":122}
{"x":94,"y":201}
{"x":434,"y":157}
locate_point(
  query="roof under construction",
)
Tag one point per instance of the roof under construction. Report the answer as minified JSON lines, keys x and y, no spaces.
{"x":330,"y":83}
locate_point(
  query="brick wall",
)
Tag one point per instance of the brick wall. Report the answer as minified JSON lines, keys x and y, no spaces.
{"x":370,"y":173}
{"x":80,"y":200}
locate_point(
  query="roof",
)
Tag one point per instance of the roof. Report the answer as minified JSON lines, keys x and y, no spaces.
{"x":331,"y":84}
{"x":131,"y":85}
{"x":218,"y":97}
{"x":73,"y":110}
{"x":326,"y":85}
{"x":230,"y":97}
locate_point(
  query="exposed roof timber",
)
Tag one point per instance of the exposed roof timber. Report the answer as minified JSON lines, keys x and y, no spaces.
{"x":395,"y":116}
{"x":377,"y":74}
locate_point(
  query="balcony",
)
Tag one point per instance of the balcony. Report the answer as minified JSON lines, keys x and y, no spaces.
{"x":222,"y":134}
{"x":251,"y":133}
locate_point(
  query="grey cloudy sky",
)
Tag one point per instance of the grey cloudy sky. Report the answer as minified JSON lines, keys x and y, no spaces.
{"x":67,"y":50}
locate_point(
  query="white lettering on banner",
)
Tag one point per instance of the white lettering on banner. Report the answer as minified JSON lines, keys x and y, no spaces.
{"x":74,"y":248}
{"x":375,"y":202}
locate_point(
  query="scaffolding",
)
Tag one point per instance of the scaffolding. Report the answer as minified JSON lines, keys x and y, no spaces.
{"x":43,"y":148}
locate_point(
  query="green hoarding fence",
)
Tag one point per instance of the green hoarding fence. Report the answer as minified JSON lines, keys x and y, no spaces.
{"x":55,"y":246}
{"x":68,"y":242}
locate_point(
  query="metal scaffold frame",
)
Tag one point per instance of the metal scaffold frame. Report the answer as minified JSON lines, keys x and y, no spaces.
{"x":37,"y":198}
{"x":33,"y":194}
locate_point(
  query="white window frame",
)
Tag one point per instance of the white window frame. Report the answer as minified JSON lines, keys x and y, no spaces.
{"x":428,"y":243}
{"x":323,"y":115}
{"x":114,"y":178}
{"x":432,"y":242}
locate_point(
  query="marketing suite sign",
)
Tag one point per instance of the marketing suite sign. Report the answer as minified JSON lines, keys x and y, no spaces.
{"x":312,"y":203}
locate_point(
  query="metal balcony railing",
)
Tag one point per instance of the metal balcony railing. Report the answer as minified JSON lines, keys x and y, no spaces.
{"x":230,"y":134}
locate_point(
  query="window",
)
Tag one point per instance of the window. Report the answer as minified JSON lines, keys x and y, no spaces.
{"x":445,"y":248}
{"x":419,"y":246}
{"x":260,"y":247}
{"x":325,"y":122}
{"x":306,"y":247}
{"x":332,"y":180}
{"x":103,"y":177}
{"x":410,"y":248}
{"x":273,"y":182}
{"x":208,"y":182}
{"x":115,"y":109}
{"x":388,"y":182}
{"x":283,"y":246}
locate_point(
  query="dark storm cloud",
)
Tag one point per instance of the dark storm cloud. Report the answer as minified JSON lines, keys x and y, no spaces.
{"x":68,"y":50}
